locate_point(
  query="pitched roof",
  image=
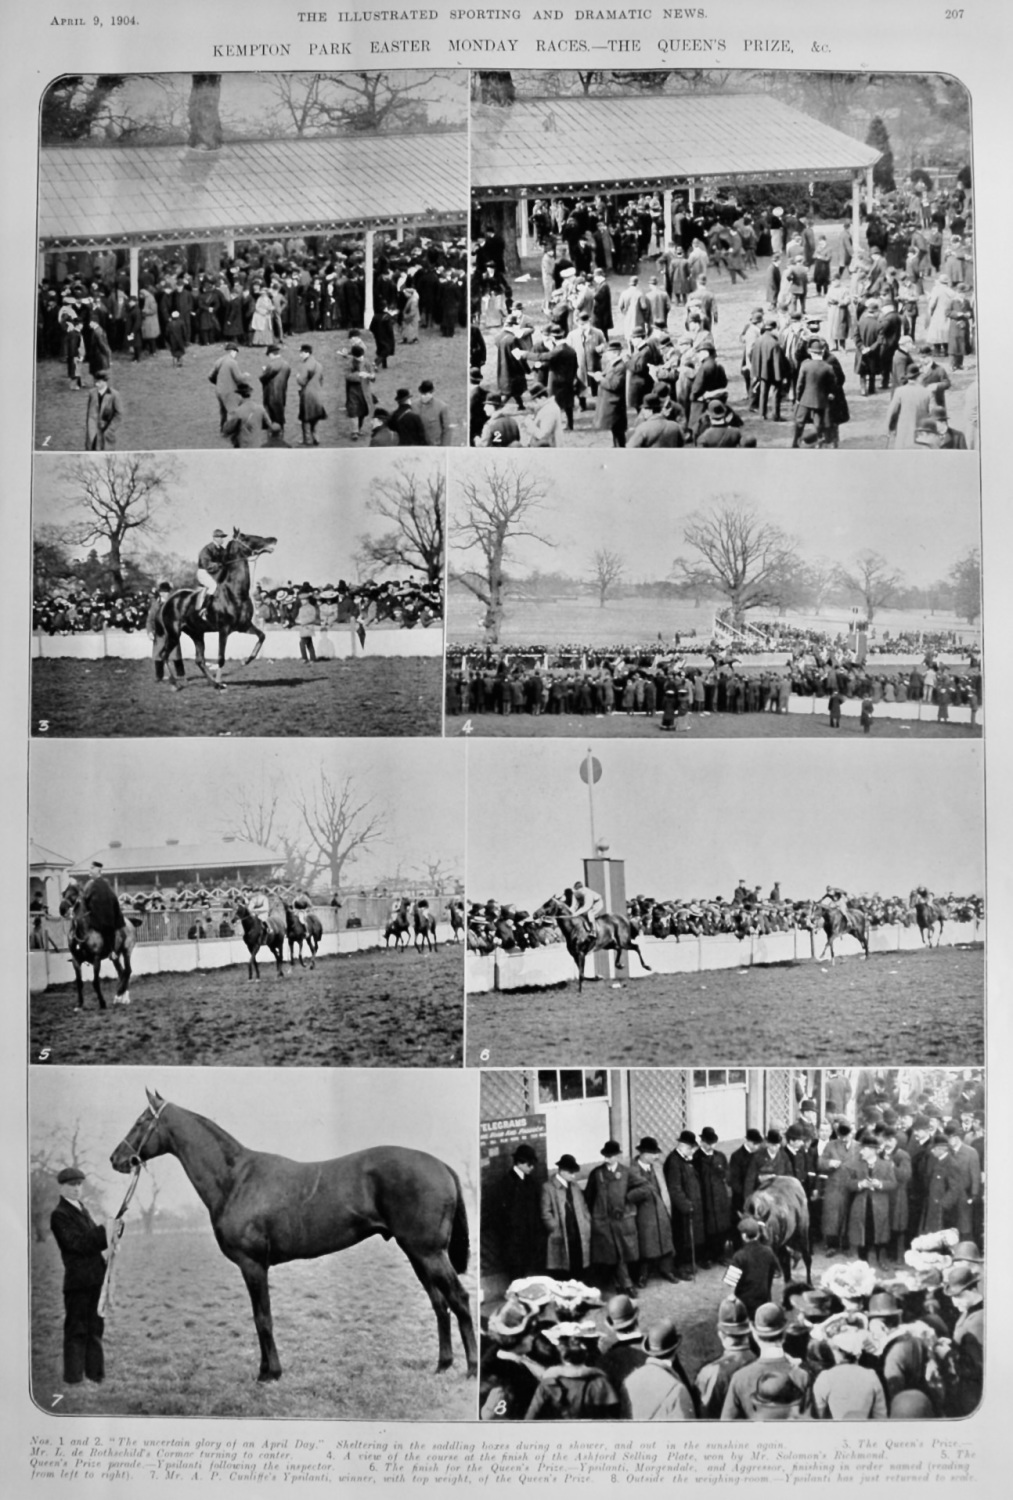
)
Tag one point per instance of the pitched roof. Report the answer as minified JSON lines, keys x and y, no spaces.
{"x":216,"y":855}
{"x":597,"y":141}
{"x":91,"y":195}
{"x":38,"y":854}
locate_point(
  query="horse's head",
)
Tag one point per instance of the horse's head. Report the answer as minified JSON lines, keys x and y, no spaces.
{"x":245,"y":544}
{"x":147,"y":1137}
{"x":70,"y":900}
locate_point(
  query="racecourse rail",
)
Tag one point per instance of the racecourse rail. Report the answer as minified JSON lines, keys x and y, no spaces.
{"x":280,"y":645}
{"x":46,"y":969}
{"x":540,"y":967}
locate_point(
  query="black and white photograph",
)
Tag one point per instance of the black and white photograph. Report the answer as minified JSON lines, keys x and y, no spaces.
{"x":249,"y":260}
{"x":732,"y":1244}
{"x":781,"y":905}
{"x":185,"y":1230}
{"x":607,"y":599}
{"x":249,"y":905}
{"x":186,"y":594}
{"x":730,"y":258}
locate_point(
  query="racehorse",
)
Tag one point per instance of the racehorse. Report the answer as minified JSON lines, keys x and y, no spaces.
{"x":612,"y":934}
{"x":783,"y":1213}
{"x":303,"y":927}
{"x":256,"y":935}
{"x":92,"y":939}
{"x":266,"y":1210}
{"x":836,"y":925}
{"x":929,"y":915}
{"x":425,"y":927}
{"x":457,"y":921}
{"x":229,"y":609}
{"x":399,"y":925}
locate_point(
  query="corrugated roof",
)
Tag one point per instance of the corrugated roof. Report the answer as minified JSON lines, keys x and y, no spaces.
{"x":38,"y":854}
{"x":209,"y":856}
{"x":589,"y":141}
{"x":96,"y":194}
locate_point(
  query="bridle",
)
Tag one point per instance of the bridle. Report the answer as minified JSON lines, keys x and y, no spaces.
{"x":136,"y":1163}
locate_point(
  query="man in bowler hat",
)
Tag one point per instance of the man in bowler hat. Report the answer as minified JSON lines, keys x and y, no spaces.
{"x":81,"y":1243}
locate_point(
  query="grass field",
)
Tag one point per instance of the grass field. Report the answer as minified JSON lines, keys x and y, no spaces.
{"x":867,"y":427}
{"x":371,"y":1009}
{"x":168,"y":408}
{"x":701,"y":727}
{"x":355,"y":1333}
{"x":896,"y":1009}
{"x":364,"y":696}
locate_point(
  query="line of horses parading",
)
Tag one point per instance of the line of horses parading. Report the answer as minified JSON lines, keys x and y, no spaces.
{"x":266,"y":1210}
{"x":413,"y":922}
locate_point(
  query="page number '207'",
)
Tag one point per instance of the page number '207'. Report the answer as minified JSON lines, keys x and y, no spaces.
{"x":954,"y":15}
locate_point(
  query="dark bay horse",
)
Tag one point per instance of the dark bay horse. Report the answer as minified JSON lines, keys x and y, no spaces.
{"x":266,"y":1210}
{"x":303,"y":927}
{"x":229,"y":610}
{"x":929,"y":915}
{"x":425,"y":927}
{"x":457,"y":921}
{"x":256,"y":935}
{"x":399,"y":926}
{"x":782,"y":1209}
{"x":836,"y":926}
{"x":613,"y":934}
{"x":93,"y":937}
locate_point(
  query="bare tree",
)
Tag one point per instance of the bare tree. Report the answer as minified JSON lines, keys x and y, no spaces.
{"x":64,"y":1146}
{"x":257,"y":816}
{"x":746,"y":560}
{"x":965,"y":576}
{"x":500,"y":505}
{"x":353,"y":103}
{"x":148,"y":1210}
{"x":607,"y":569}
{"x":821,"y":577}
{"x":436,"y":874}
{"x":874,"y":579}
{"x":120,"y":494}
{"x":415,"y":504}
{"x":339,"y":827}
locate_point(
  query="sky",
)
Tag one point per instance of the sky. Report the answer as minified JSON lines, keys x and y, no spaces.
{"x":310,"y":1114}
{"x":85,"y":793}
{"x":314,"y":503}
{"x":692,"y":819}
{"x":920,"y":516}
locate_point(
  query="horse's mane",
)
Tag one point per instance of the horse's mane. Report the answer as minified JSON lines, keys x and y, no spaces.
{"x":230,"y":1146}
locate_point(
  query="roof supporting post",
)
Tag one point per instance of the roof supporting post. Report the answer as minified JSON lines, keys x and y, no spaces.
{"x":691,"y":194}
{"x":522,"y":225}
{"x":666,"y":221}
{"x":367,"y":312}
{"x":399,"y":232}
{"x":868,"y":190}
{"x":856,"y":213}
{"x":230,"y":247}
{"x":135,"y":270}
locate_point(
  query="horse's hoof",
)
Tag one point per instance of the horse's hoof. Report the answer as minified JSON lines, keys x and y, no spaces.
{"x":266,"y":1375}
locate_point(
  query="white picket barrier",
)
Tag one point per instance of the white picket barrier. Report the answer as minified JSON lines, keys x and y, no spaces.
{"x":280,"y":645}
{"x":775,"y":948}
{"x":907,"y":712}
{"x":536,"y":966}
{"x":479,"y":973}
{"x":666,"y":956}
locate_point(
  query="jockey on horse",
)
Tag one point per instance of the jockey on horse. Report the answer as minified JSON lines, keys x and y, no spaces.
{"x":208,"y":562}
{"x":836,"y":898}
{"x":223,"y":602}
{"x":585,"y":903}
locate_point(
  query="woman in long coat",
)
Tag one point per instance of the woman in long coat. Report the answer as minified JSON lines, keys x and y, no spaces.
{"x":150,"y":328}
{"x":309,"y":378}
{"x":838,"y":1159}
{"x":359,"y":376}
{"x":262,"y":323}
{"x":938,"y":332}
{"x":873,"y":1183}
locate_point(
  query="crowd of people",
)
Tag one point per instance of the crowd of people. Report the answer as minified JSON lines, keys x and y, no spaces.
{"x":633,"y":681}
{"x":505,"y":925}
{"x":268,"y":294}
{"x":898,"y":307}
{"x":892,"y":1325}
{"x":406,"y":602}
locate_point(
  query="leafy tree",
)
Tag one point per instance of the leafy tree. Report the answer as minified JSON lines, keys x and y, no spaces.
{"x":874,"y":580}
{"x":415,"y":504}
{"x":76,"y":106}
{"x":608,"y":568}
{"x":965,"y":576}
{"x":878,"y":138}
{"x":497,"y":506}
{"x":742,"y":558}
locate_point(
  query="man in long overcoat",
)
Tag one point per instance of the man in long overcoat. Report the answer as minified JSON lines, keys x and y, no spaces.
{"x":520,"y":1232}
{"x":654,"y":1214}
{"x":687,"y":1204}
{"x":768,"y":370}
{"x":873,"y":1182}
{"x":81,"y":1242}
{"x":612,"y":1199}
{"x":712,"y":1169}
{"x":566,"y":1221}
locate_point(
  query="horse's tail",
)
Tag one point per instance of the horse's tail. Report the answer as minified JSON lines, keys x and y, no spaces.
{"x":459,"y":1248}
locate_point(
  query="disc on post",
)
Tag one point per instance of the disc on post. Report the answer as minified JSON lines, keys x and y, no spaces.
{"x":595,"y":770}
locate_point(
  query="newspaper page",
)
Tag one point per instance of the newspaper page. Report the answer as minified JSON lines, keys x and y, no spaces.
{"x":505,"y":931}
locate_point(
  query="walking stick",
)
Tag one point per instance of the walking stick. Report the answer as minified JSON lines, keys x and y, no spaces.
{"x":692,"y":1245}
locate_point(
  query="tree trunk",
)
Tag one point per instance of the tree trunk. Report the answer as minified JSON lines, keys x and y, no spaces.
{"x":501,"y":219}
{"x":116,"y":567}
{"x":496,"y":88}
{"x":203,"y":111}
